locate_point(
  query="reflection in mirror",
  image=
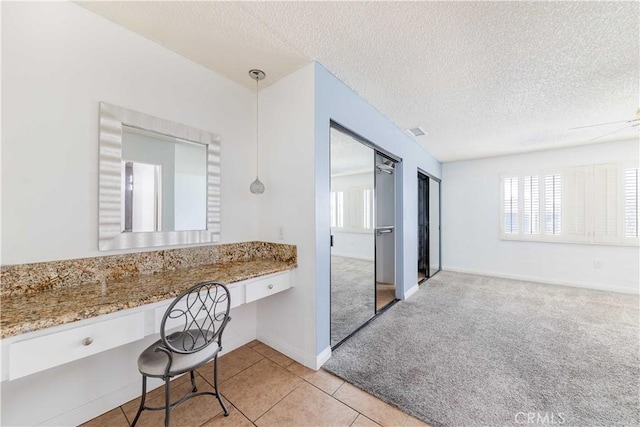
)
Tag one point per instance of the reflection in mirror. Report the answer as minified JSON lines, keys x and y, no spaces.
{"x":142,"y":187}
{"x":353,"y":272}
{"x":159,"y":182}
{"x":166,"y":187}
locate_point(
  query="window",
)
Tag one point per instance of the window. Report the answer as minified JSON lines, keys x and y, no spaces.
{"x":510,"y":205}
{"x":607,"y":193}
{"x":352,"y":209}
{"x":531,"y":205}
{"x":337,"y":208}
{"x":583,"y":204}
{"x":576,"y":191}
{"x":553,"y":204}
{"x":367,"y":219}
{"x":631,"y":203}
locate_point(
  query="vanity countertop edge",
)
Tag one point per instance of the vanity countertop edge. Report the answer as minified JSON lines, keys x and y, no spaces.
{"x":29,"y":312}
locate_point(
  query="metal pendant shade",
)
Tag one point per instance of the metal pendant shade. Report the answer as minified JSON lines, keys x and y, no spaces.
{"x":257,"y":187}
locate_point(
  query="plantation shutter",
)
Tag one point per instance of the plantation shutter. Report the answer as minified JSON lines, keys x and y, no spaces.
{"x":631,"y":203}
{"x":553,"y":205}
{"x":337,"y":209}
{"x":606,"y":204}
{"x":368,"y":208}
{"x":531,"y":205}
{"x":510,"y":205}
{"x":576,"y":224}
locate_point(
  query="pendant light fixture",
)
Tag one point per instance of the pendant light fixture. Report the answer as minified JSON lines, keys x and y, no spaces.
{"x":257,"y":187}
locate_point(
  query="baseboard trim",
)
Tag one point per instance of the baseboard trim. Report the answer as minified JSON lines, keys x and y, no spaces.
{"x":288,"y":350}
{"x":231,"y":343}
{"x":409,"y":293}
{"x":99,"y":406}
{"x":352,"y":256}
{"x":618,"y":289}
{"x":323,"y":357}
{"x":103,"y":404}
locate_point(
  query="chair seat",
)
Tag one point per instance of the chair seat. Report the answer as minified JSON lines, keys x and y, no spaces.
{"x":154,"y":363}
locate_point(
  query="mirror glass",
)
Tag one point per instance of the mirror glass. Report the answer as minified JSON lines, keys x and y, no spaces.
{"x":164,"y":182}
{"x":353,"y":251}
{"x":159,"y":182}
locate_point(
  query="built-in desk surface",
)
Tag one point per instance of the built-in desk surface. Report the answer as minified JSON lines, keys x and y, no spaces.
{"x":32,"y":311}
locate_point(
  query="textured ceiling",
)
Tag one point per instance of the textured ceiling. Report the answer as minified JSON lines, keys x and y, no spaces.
{"x":482,"y":78}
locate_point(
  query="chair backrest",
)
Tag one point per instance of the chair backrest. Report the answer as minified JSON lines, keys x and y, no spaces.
{"x":196,"y":318}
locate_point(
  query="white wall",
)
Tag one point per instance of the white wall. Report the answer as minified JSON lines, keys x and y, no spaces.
{"x":335,"y":101}
{"x":287,"y":321}
{"x":470,"y":225}
{"x":58,"y":61}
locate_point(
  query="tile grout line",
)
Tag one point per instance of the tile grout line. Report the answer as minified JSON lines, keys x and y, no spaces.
{"x":238,"y":409}
{"x":256,"y":362}
{"x":283,"y":397}
{"x":237,"y":373}
{"x":328,"y":394}
{"x":124,"y":414}
{"x":294,"y":389}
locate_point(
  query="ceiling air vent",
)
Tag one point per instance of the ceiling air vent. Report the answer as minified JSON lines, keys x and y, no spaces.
{"x":416,"y":131}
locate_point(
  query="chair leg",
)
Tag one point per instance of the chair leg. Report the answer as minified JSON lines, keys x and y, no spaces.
{"x":167,"y":402}
{"x":142,"y":399}
{"x":215,"y":383}
{"x":193,"y":383}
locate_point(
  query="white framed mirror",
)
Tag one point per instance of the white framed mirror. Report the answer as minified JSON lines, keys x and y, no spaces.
{"x":159,"y":182}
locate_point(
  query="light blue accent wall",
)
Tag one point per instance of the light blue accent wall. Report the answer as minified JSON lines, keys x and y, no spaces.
{"x":336,"y":101}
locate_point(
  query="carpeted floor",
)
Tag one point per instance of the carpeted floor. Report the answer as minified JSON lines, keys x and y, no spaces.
{"x":478,"y":351}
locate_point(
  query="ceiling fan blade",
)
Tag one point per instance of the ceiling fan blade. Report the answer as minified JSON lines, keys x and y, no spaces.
{"x":615,"y":131}
{"x":603,"y":124}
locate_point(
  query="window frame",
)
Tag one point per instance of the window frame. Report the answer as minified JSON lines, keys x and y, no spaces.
{"x":589,"y":202}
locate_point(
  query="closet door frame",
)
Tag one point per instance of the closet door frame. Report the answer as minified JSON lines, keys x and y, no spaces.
{"x":377,"y":150}
{"x":429,"y":230}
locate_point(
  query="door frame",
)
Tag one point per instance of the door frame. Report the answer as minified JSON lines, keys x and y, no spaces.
{"x":377,"y":150}
{"x":439,"y":181}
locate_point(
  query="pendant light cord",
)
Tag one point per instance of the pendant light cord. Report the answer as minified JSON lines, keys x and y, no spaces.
{"x":256,"y":186}
{"x":257,"y":128}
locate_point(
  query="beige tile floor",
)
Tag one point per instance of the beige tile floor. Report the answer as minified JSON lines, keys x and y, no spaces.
{"x":263,"y":387}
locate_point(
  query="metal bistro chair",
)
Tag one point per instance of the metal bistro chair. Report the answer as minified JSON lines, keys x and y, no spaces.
{"x":200,"y":315}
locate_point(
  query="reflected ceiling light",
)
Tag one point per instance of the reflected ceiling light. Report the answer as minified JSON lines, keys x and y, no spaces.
{"x":257,"y":187}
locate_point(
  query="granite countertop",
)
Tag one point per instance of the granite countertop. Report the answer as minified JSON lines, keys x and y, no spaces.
{"x":29,"y":312}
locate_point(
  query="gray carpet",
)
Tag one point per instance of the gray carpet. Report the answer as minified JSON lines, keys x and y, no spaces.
{"x":352,"y":295}
{"x":477,"y":351}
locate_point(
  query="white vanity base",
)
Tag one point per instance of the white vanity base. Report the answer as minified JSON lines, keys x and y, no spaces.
{"x":73,"y":393}
{"x":48,"y":380}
